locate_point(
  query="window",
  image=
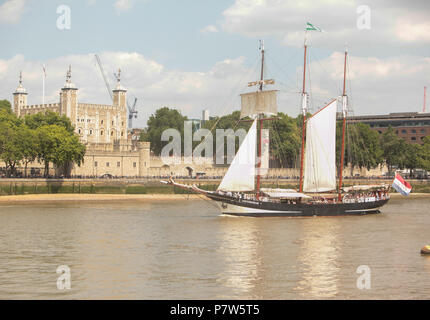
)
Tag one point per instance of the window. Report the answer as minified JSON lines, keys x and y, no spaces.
{"x":112,"y":122}
{"x":423,"y":130}
{"x":95,"y":163}
{"x":413,"y":138}
{"x":79,"y":131}
{"x":414,"y":131}
{"x":122,"y":133}
{"x":102,"y":122}
{"x":403,"y":131}
{"x":107,"y":164}
{"x":101,"y":132}
{"x":134,"y":164}
{"x":91,"y":131}
{"x":118,"y":164}
{"x":111,"y":133}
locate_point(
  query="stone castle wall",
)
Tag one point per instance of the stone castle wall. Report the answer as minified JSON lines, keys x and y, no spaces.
{"x":102,"y":128}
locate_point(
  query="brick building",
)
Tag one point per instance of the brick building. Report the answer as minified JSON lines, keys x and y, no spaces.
{"x":411,"y":126}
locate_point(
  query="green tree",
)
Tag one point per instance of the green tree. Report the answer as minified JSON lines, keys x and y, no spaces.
{"x":411,"y":156}
{"x":38,"y":120}
{"x":5,"y":105}
{"x":362,"y":146}
{"x":28,"y":145}
{"x":393,"y":148}
{"x":229,"y":121}
{"x":424,"y":154}
{"x":58,"y":146}
{"x":10,"y":152}
{"x":163,"y":119}
{"x":285,"y":139}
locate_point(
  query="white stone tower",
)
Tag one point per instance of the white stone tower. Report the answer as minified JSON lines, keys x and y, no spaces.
{"x":120,"y":103}
{"x":19,"y":97}
{"x":69,"y":98}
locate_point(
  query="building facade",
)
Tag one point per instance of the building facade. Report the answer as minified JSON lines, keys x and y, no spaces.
{"x":102,"y":128}
{"x":411,"y":126}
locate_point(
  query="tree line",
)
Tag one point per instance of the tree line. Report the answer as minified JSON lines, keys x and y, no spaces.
{"x":364,"y":147}
{"x":44,"y":137}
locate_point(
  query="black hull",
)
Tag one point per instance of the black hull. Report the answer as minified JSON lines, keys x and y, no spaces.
{"x":250,"y":208}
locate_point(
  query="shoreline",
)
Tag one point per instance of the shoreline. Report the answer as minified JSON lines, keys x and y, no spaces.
{"x":136,"y":197}
{"x":96,"y":197}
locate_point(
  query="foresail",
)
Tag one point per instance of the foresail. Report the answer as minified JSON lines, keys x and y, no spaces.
{"x":320,"y":157}
{"x":240,"y":175}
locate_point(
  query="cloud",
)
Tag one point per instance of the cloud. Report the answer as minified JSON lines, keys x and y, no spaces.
{"x":209,"y":29}
{"x":11,"y":11}
{"x":392,"y":23}
{"x":123,"y":5}
{"x":375,"y":85}
{"x":378,"y":85}
{"x":152,"y":83}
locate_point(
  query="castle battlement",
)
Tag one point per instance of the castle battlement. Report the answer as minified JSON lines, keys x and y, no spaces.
{"x":45,"y":106}
{"x":97,"y":106}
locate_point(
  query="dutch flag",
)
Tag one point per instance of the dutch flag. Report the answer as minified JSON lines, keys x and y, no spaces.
{"x":401,"y":185}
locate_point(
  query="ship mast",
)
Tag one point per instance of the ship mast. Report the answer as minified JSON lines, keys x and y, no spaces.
{"x":344,"y":104}
{"x":304,"y":110}
{"x":260,"y":116}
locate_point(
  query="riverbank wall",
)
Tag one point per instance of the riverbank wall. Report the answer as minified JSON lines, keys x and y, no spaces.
{"x":150,"y":186}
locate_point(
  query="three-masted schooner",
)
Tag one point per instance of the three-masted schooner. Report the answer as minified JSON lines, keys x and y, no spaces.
{"x":318,"y":195}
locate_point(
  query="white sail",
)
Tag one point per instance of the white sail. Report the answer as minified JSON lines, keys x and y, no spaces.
{"x":240,"y":175}
{"x":320,"y":158}
{"x":259,"y":102}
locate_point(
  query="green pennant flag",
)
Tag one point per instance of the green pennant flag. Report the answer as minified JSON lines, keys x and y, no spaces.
{"x":311,"y":27}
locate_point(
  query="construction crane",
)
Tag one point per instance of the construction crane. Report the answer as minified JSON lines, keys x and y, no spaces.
{"x":104,"y":76}
{"x":131,"y":110}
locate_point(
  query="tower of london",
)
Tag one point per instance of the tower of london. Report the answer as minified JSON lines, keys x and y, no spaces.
{"x":102,"y":128}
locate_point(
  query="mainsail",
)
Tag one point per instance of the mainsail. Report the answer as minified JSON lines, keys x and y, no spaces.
{"x":240,"y":175}
{"x":259,"y":102}
{"x":320,"y":157}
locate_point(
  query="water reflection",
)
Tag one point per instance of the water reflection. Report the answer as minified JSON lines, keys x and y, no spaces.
{"x":319,"y":255}
{"x":240,"y":250}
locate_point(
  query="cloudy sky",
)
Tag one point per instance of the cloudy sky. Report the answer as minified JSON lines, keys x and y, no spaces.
{"x":200,"y":54}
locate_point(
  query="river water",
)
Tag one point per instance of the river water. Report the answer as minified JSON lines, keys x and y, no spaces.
{"x":186,"y":250}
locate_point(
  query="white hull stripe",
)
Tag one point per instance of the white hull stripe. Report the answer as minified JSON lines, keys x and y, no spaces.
{"x":231,"y":208}
{"x":358,"y":210}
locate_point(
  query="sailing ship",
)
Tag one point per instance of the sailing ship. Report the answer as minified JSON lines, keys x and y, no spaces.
{"x":240,"y":191}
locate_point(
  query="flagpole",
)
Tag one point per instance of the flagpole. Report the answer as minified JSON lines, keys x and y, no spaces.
{"x":43,"y":85}
{"x":304,"y":110}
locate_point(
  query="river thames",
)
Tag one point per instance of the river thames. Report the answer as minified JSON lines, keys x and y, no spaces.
{"x":185,"y":249}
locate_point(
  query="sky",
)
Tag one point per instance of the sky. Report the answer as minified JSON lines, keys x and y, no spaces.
{"x":201,"y":54}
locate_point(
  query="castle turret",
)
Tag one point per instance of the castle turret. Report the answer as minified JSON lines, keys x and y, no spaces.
{"x":69,"y":98}
{"x":19,"y":97}
{"x":119,"y":101}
